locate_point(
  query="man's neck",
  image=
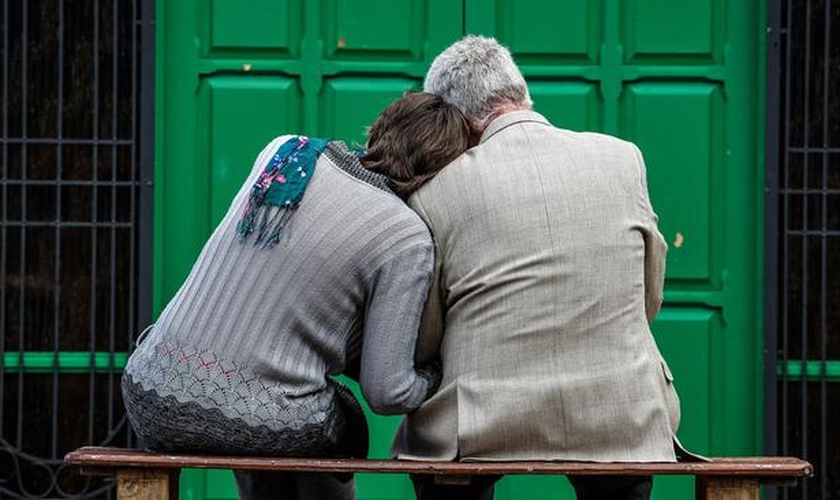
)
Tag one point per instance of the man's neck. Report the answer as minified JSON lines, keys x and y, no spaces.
{"x":497,"y":112}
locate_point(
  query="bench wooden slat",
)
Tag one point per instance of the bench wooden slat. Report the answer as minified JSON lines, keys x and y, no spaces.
{"x":753,"y":467}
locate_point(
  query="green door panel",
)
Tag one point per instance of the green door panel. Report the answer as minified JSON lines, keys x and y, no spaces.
{"x":545,"y":31}
{"x":686,"y":339}
{"x":679,"y":79}
{"x":237,"y":116}
{"x":393,"y":31}
{"x":219,"y":484}
{"x":572,"y":105}
{"x":683,"y":150}
{"x":271,"y":27}
{"x":350,"y":105}
{"x":660,"y":32}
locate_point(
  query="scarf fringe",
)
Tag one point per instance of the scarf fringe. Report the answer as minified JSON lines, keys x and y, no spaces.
{"x":269,"y":230}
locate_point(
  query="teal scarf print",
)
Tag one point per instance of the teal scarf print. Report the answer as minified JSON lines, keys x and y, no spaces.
{"x":279,"y":189}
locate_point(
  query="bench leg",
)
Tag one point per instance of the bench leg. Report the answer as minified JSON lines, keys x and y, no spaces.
{"x":147,"y":484}
{"x":726,"y":488}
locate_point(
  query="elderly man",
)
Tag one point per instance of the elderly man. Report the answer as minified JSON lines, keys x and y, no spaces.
{"x":549,"y":269}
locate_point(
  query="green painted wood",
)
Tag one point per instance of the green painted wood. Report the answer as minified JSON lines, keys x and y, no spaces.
{"x":227,"y":106}
{"x":572,"y":105}
{"x":684,"y":149}
{"x":271,"y":27}
{"x":680,"y":79}
{"x":655,"y":32}
{"x":687,"y":337}
{"x":350,"y":104}
{"x":63,"y":362}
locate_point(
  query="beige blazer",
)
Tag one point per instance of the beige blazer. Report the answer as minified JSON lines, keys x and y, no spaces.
{"x":549,"y":268}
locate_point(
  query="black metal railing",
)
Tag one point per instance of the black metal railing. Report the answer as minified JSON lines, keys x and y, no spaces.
{"x":802,"y":300}
{"x":76,"y":87}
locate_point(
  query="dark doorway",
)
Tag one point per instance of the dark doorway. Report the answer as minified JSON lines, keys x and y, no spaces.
{"x":76,"y":87}
{"x":802,"y":300}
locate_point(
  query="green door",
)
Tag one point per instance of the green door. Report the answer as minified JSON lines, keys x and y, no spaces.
{"x":679,"y":79}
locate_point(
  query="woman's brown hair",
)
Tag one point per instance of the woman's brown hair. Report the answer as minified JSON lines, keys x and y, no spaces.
{"x":413,"y":139}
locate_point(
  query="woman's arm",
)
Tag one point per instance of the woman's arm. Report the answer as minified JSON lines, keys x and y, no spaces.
{"x":390,"y":382}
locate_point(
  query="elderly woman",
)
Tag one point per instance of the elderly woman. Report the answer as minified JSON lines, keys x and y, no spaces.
{"x":317,"y":269}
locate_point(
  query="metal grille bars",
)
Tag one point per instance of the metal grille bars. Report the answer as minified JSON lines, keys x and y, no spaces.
{"x":76,"y":87}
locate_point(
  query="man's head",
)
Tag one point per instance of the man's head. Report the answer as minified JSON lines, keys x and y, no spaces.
{"x":413,"y":139}
{"x":478,"y":75}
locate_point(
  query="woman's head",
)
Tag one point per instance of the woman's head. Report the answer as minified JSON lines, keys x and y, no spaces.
{"x":413,"y":139}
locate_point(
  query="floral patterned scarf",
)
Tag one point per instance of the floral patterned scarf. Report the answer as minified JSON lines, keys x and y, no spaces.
{"x":279,"y":189}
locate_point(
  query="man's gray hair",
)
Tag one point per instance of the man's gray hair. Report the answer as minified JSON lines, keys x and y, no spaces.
{"x":478,"y":75}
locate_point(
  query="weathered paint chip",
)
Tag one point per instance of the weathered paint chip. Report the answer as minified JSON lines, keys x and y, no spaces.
{"x":678,"y":240}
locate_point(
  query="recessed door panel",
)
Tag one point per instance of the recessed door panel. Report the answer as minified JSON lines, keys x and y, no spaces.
{"x":350,"y":105}
{"x":679,"y":127}
{"x":547,"y":31}
{"x":239,"y":115}
{"x":370,"y":29}
{"x":271,"y":28}
{"x":572,"y":105}
{"x":665,"y":32}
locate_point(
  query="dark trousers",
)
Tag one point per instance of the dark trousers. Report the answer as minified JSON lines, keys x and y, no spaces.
{"x":479,"y":488}
{"x":271,"y":485}
{"x":612,"y":487}
{"x":586,"y":488}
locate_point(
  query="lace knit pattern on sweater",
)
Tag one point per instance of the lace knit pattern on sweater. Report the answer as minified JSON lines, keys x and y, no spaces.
{"x":181,"y":397}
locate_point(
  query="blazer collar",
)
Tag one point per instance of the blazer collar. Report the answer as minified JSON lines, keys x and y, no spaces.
{"x":511,"y":118}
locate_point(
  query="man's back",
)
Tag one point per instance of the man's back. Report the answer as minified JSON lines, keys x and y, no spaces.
{"x":546,"y":242}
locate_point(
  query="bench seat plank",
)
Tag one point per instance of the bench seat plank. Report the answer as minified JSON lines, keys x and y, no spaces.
{"x":752,"y":467}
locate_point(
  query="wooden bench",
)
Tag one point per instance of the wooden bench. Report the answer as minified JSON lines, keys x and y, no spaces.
{"x":145,"y":476}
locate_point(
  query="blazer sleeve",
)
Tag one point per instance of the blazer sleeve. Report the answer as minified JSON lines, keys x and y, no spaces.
{"x":655,"y":246}
{"x":430,"y":334}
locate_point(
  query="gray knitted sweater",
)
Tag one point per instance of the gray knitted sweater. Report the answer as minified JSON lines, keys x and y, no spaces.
{"x":253,"y":333}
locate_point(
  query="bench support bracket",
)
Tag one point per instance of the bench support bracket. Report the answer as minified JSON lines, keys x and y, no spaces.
{"x":726,"y":488}
{"x":147,"y":484}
